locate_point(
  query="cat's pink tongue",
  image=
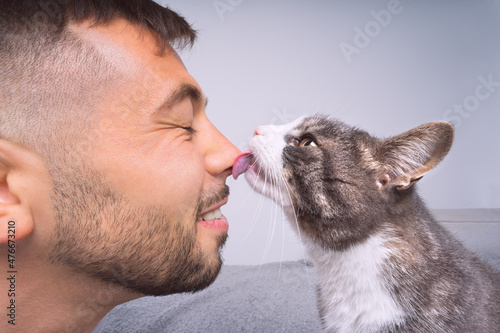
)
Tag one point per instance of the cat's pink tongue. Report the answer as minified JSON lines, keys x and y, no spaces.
{"x":241,"y":163}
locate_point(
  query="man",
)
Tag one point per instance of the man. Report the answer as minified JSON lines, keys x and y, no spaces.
{"x":111,"y":174}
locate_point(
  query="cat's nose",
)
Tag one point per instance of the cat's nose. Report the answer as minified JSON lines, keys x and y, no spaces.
{"x":267,"y":130}
{"x":259,"y":131}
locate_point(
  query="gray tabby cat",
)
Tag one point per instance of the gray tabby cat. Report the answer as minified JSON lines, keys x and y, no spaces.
{"x":383,"y":263}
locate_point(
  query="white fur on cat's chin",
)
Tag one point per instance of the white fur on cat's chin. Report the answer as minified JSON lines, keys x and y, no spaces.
{"x":354,"y":292}
{"x":267,"y":148}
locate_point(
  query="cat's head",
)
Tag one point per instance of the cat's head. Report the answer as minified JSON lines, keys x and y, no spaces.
{"x":338,"y":181}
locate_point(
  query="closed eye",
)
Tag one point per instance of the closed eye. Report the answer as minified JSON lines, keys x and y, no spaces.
{"x":190,"y":129}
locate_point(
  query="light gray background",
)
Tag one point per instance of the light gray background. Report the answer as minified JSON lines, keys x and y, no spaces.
{"x":269,"y":61}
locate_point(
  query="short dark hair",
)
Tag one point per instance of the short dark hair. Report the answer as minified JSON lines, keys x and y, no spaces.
{"x":168,"y":26}
{"x":49,"y":73}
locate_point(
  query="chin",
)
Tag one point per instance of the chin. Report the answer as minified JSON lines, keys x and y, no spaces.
{"x":204,"y":268}
{"x":208,"y":268}
{"x":194,"y":275}
{"x":189,"y":270}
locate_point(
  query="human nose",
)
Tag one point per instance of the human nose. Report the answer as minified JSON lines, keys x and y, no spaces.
{"x":221,"y":154}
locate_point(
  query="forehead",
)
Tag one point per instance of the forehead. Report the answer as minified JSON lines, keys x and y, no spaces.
{"x":322,"y":125}
{"x":133,"y":52}
{"x":118,"y":37}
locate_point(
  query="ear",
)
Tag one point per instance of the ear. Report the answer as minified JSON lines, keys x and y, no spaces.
{"x":409,"y":156}
{"x":16,"y":220}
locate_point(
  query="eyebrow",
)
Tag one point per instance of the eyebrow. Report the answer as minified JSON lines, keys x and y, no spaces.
{"x":185,"y":90}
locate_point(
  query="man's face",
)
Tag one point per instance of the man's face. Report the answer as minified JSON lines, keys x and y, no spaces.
{"x":129,"y":210}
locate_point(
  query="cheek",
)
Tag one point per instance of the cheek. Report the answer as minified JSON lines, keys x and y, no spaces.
{"x":305,"y":176}
{"x":183,"y":177}
{"x":170,"y":176}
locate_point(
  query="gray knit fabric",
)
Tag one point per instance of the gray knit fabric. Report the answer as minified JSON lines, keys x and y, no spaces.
{"x":277,"y":297}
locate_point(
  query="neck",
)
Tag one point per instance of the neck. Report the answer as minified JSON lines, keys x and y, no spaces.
{"x":49,"y":298}
{"x":353,"y":293}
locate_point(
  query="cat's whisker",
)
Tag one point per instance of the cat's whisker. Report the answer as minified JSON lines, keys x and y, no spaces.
{"x":255,"y":218}
{"x":267,"y":181}
{"x":278,"y":175}
{"x":268,"y":243}
{"x":299,"y":234}
{"x":272,"y":174}
{"x":244,"y":201}
{"x":272,"y":228}
{"x":280,"y":182}
{"x":260,"y":205}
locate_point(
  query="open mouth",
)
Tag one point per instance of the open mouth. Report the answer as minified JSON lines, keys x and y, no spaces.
{"x":215,"y":214}
{"x":213,"y":218}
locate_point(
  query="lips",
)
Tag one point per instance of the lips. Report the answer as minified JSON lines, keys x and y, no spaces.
{"x":213,"y":211}
{"x":212,"y":217}
{"x":242,"y":163}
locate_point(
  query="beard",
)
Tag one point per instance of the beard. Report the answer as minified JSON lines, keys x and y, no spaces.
{"x":103,"y":235}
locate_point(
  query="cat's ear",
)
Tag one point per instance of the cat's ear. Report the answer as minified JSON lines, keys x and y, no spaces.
{"x":409,"y":156}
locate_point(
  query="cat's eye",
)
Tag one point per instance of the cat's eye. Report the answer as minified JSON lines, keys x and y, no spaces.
{"x":307,"y":142}
{"x":302,"y":142}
